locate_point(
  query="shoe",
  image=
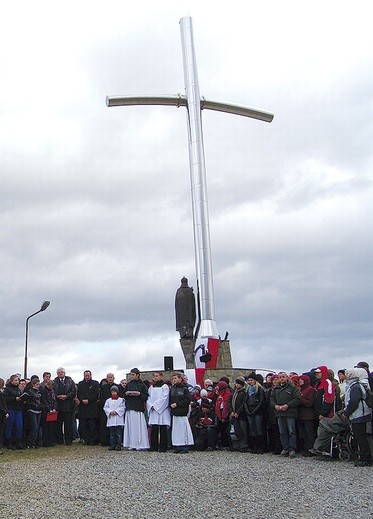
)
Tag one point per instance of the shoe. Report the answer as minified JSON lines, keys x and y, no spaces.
{"x":314,"y":452}
{"x":111,"y":448}
{"x":362,"y":463}
{"x":326,"y":454}
{"x":284,"y":452}
{"x":307,"y":454}
{"x":118,"y":448}
{"x":292,"y":454}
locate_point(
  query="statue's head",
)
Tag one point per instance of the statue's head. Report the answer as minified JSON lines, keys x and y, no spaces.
{"x":184,"y":281}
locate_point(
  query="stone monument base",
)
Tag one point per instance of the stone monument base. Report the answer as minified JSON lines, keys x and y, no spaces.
{"x":224,"y":366}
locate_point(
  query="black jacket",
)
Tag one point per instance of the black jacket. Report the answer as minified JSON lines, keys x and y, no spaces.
{"x":10,"y":393}
{"x":34,"y":402}
{"x":3,"y":407}
{"x":237,"y":403}
{"x":88,"y":391}
{"x":136,"y":403}
{"x":179,"y":394}
{"x":256,"y":402}
{"x":67,"y":388}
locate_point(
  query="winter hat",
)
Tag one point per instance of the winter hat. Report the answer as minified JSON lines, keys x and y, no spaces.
{"x":253,"y":376}
{"x":352,"y":373}
{"x":362,"y":364}
{"x":222,"y":385}
{"x":114,"y":388}
{"x":240,"y":381}
{"x":203,"y":393}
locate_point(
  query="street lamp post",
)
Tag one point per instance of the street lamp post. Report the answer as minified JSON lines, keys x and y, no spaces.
{"x":44,"y":306}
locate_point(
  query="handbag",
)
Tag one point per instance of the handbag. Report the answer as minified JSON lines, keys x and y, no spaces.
{"x":51,"y":417}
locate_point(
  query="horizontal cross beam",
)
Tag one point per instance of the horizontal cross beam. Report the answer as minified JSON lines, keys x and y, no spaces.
{"x":180,"y":100}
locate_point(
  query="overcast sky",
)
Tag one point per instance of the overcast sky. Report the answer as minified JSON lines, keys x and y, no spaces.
{"x":95,"y":209}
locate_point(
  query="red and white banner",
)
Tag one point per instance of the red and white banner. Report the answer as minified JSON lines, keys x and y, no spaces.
{"x":208,"y":349}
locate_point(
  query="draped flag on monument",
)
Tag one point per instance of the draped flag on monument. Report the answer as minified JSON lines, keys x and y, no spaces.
{"x":206,"y":354}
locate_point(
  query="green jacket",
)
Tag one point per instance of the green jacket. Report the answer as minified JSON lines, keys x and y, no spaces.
{"x":286,"y":394}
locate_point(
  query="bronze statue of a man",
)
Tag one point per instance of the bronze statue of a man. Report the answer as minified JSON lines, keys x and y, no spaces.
{"x":185,"y":309}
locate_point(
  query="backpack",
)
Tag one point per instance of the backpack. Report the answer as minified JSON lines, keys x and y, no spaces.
{"x":368,"y":397}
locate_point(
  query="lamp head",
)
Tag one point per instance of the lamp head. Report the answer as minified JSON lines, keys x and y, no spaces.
{"x":45,"y":305}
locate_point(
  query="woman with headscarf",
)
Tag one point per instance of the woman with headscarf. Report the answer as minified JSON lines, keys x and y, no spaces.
{"x":325,"y":394}
{"x":306,"y":414}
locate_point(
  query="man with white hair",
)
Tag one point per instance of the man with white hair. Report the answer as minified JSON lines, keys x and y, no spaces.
{"x":65,"y":390}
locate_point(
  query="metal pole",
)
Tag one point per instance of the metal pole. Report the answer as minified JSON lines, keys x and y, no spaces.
{"x":208,"y":327}
{"x":44,"y":306}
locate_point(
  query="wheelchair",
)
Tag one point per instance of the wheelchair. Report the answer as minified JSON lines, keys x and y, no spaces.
{"x":343,"y":446}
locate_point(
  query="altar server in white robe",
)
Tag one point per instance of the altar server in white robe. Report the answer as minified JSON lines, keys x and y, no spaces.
{"x":159,"y":412}
{"x":182,"y":436}
{"x":135,"y":428}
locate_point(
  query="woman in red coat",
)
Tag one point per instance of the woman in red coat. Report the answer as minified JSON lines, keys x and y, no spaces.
{"x":222,"y":415}
{"x":306,"y":414}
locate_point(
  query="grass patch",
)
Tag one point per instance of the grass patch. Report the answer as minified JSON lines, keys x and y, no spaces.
{"x":58,"y":451}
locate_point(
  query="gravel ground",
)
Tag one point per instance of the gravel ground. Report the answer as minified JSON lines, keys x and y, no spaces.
{"x":91,"y":482}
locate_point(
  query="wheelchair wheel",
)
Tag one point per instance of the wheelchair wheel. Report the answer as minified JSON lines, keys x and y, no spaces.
{"x":344,"y":455}
{"x":352,"y":446}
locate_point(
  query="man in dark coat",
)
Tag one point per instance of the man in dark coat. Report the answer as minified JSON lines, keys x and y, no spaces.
{"x":88,"y":393}
{"x":285,"y":399}
{"x":65,"y":390}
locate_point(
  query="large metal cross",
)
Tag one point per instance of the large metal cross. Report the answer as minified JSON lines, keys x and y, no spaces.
{"x":194,"y":104}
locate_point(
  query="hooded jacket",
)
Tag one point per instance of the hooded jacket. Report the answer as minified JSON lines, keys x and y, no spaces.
{"x":325,"y":394}
{"x":307,"y":399}
{"x":222,"y":401}
{"x":356,"y":409}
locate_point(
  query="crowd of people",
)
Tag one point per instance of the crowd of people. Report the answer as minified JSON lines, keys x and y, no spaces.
{"x":285,"y":414}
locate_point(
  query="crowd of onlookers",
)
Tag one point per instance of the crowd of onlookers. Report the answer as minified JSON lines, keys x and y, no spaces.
{"x":282,"y":413}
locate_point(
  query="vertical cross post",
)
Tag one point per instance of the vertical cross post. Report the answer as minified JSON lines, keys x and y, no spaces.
{"x":202,"y":244}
